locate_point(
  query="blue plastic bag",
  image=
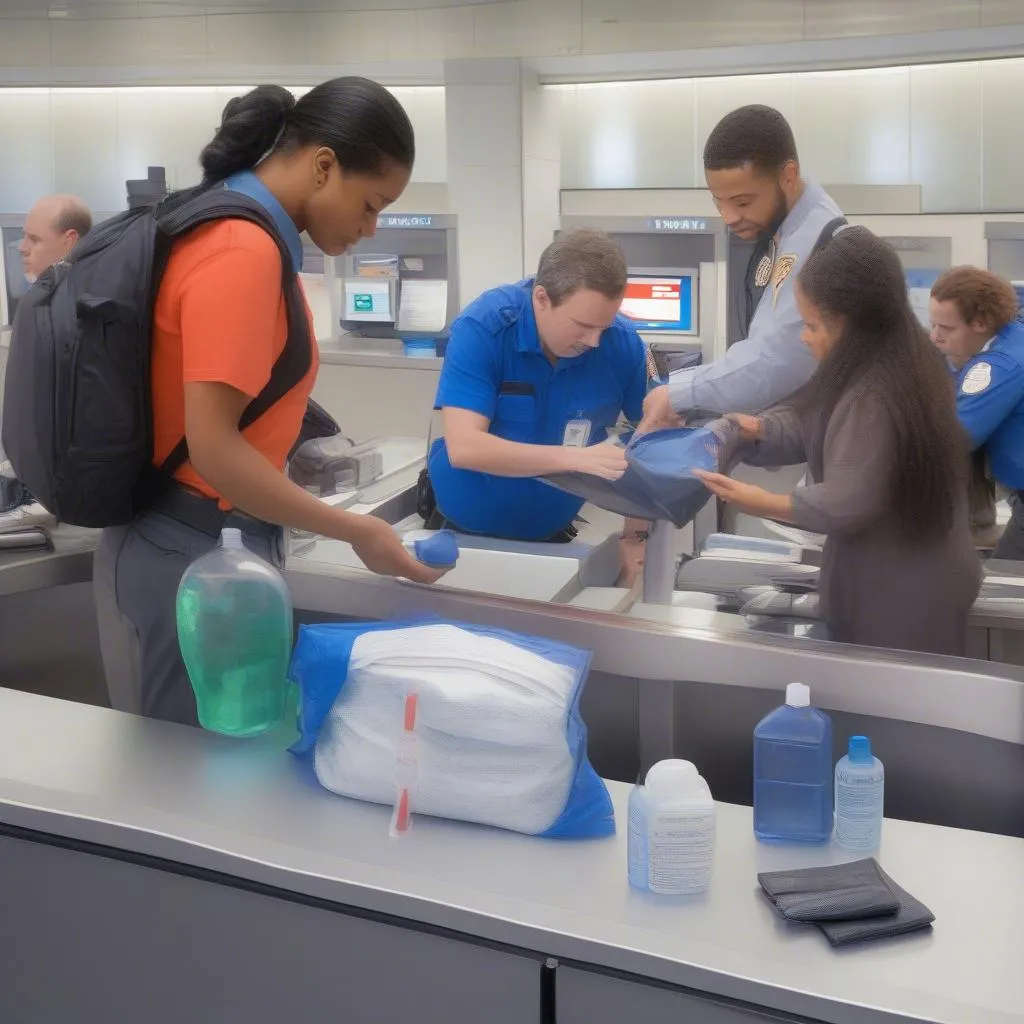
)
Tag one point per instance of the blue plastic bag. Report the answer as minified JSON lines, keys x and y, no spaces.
{"x":321,"y":669}
{"x":658,"y":482}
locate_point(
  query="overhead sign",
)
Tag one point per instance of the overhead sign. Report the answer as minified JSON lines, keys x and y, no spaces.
{"x":405,"y":220}
{"x":676,"y":224}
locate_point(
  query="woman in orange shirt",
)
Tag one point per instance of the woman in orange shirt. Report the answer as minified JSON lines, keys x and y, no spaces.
{"x":327,"y":164}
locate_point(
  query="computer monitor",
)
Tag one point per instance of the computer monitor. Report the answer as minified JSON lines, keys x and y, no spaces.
{"x":369,"y":300}
{"x":662,"y":301}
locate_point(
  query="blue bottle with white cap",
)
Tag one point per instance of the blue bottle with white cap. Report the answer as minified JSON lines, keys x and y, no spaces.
{"x":793,"y":772}
{"x":860,"y":798}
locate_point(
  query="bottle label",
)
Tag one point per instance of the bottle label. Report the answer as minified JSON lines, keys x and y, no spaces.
{"x":680,"y":848}
{"x":637,"y":840}
{"x":859,"y":807}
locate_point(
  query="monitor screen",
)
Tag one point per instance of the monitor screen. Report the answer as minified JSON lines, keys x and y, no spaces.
{"x":1018,"y":287}
{"x":919,"y":291}
{"x":369,"y":299}
{"x":659,"y":303}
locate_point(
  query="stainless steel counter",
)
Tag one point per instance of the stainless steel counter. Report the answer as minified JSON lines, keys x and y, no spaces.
{"x":346,"y":350}
{"x":70,"y":561}
{"x":85,"y":790}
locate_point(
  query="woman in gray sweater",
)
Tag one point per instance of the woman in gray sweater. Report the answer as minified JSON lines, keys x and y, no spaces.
{"x":878,"y":429}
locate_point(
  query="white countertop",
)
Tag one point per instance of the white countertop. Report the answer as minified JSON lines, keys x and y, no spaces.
{"x":251,"y":810}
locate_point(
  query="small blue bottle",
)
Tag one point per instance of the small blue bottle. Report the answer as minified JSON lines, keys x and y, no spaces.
{"x":793,"y":781}
{"x":860,"y":798}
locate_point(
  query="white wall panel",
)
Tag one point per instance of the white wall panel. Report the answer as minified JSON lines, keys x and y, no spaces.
{"x":947,"y":130}
{"x":89,"y":141}
{"x":541,"y":170}
{"x":425,"y":107}
{"x":84,"y":126}
{"x":166,"y":128}
{"x":25,"y":117}
{"x":946,"y":136}
{"x":632,"y":132}
{"x":1002,"y":156}
{"x":715,"y":97}
{"x":855,"y":126}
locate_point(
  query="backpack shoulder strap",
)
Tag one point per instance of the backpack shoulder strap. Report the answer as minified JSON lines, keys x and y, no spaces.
{"x":828,"y":232}
{"x":184,"y":211}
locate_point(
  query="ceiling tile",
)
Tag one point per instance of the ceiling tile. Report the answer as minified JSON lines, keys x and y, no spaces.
{"x":1002,"y":12}
{"x":256,"y":38}
{"x":24,"y":44}
{"x":95,"y":43}
{"x":537,"y":28}
{"x":345,"y":37}
{"x":445,"y":33}
{"x":827,"y":20}
{"x":649,"y":25}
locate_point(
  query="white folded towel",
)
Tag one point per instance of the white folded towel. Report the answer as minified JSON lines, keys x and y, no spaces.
{"x":490,"y":727}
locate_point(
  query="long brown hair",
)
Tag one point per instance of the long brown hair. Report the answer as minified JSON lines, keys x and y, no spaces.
{"x":857,"y":281}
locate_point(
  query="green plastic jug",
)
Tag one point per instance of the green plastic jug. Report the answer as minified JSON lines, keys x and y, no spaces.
{"x":234,"y":616}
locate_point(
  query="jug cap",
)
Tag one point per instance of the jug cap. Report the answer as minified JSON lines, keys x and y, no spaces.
{"x":231,"y":539}
{"x":798,"y":695}
{"x":672,"y":777}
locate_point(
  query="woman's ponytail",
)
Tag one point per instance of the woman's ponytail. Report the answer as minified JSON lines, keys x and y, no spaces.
{"x":250,"y":126}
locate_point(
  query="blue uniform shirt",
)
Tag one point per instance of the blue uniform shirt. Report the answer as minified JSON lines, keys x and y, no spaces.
{"x":494,"y":365}
{"x":990,"y":403}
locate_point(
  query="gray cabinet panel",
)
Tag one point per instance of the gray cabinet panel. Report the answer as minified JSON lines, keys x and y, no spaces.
{"x":86,"y":938}
{"x":584,"y":997}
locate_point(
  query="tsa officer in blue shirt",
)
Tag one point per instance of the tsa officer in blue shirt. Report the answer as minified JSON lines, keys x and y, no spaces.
{"x":974,"y":324}
{"x":534,"y":375}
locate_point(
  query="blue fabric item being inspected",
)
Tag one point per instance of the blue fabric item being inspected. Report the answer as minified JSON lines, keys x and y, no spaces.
{"x":441,"y":551}
{"x":658,"y":482}
{"x":498,"y":726}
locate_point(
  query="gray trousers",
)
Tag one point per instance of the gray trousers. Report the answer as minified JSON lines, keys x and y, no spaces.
{"x":136,"y":574}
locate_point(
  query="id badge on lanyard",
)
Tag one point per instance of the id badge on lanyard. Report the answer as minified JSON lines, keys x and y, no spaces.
{"x":577,"y":433}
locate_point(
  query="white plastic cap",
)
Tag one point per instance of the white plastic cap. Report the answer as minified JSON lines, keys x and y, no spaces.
{"x":672,"y":778}
{"x":798,"y":695}
{"x":231,"y":539}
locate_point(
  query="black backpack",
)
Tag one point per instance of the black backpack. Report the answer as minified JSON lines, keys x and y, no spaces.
{"x":78,"y":412}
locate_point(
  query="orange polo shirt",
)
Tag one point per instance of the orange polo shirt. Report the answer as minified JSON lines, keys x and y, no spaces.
{"x":220,"y":318}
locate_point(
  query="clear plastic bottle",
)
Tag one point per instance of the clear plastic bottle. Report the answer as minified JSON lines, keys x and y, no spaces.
{"x":793,"y":772}
{"x":860,"y":798}
{"x":671,"y":831}
{"x":234,"y":617}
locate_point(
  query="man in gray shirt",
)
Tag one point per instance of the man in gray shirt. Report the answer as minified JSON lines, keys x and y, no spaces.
{"x":752,"y":171}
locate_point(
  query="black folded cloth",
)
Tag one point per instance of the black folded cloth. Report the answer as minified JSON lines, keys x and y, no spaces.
{"x":847,"y":902}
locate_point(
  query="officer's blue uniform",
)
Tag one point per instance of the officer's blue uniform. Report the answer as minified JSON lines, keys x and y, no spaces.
{"x":494,"y":365}
{"x":990,"y":403}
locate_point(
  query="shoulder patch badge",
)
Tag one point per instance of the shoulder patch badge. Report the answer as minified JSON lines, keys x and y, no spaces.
{"x":783,"y":268}
{"x":977,"y":379}
{"x":765,"y":267}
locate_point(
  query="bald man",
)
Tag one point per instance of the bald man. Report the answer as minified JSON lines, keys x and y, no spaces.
{"x":52,"y":228}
